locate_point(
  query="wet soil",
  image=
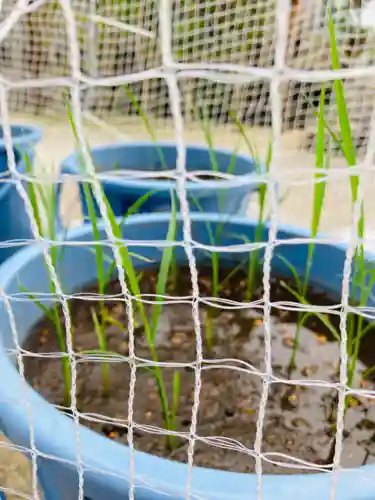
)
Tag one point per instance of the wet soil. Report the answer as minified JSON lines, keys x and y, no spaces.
{"x":299,"y":418}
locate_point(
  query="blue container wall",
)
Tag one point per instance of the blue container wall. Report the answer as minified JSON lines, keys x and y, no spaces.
{"x":232,"y":202}
{"x":59,"y":477}
{"x":215,"y":196}
{"x":15,"y":222}
{"x":24,"y":137}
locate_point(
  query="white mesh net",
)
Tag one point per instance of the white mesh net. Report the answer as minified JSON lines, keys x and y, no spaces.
{"x":274,"y":374}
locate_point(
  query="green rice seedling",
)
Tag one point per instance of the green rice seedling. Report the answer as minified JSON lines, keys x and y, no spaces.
{"x":103,"y":279}
{"x":349,"y":151}
{"x":363,"y":278}
{"x":356,"y":327}
{"x":215,"y":168}
{"x":214,"y":238}
{"x":99,"y":253}
{"x":102,"y":341}
{"x":262,"y":196}
{"x":150,"y":327}
{"x":151,"y":133}
{"x":36,"y":194}
{"x":176,"y":399}
{"x":321,"y":165}
{"x":252,"y":261}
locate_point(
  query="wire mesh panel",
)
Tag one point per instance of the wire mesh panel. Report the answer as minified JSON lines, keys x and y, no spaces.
{"x":171,"y":346}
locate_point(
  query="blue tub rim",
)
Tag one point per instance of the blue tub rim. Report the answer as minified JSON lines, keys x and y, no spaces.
{"x":29,"y":134}
{"x":21,"y":169}
{"x":69,"y":166}
{"x":165,"y":475}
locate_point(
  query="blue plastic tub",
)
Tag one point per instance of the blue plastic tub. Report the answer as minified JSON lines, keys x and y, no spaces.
{"x":24,"y":137}
{"x":55,"y":434}
{"x":15,"y":225}
{"x":208,"y":196}
{"x":15,"y":229}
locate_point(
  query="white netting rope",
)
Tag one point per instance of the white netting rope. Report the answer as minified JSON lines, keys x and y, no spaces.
{"x":175,"y":74}
{"x":282,"y":13}
{"x":175,"y":97}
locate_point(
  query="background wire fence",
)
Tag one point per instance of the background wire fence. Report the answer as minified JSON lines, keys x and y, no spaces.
{"x":122,"y":39}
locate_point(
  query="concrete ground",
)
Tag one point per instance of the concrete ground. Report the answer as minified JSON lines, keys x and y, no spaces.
{"x":294,"y":167}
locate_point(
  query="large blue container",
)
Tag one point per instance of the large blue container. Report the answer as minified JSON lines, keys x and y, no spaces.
{"x":24,"y":137}
{"x":55,"y":435}
{"x":15,"y":228}
{"x":215,"y":196}
{"x":15,"y":225}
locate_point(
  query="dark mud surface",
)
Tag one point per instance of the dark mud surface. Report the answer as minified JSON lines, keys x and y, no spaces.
{"x":300,"y":419}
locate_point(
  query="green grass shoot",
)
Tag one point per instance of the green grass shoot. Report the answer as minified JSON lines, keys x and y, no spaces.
{"x":349,"y":152}
{"x":36,"y":195}
{"x":132,"y":279}
{"x":103,"y":347}
{"x":133,"y":284}
{"x":321,"y":164}
{"x":262,"y":196}
{"x":164,"y":269}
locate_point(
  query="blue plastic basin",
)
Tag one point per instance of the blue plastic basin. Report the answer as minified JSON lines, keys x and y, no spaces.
{"x":105,"y":462}
{"x":208,"y":195}
{"x":15,"y":229}
{"x":15,"y":225}
{"x":24,"y":137}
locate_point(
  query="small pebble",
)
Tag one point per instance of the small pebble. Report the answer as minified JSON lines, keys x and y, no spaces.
{"x":178,"y":338}
{"x":215,"y":392}
{"x":321,"y":339}
{"x":151,"y":383}
{"x":118,"y":310}
{"x":186,"y":329}
{"x":54,"y":384}
{"x":251,"y":314}
{"x":153,"y":396}
{"x":365,"y":384}
{"x":283,"y":315}
{"x":300,"y":422}
{"x":288,"y":341}
{"x":307,"y":371}
{"x":235,"y":329}
{"x":228,"y":315}
{"x":123,"y":348}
